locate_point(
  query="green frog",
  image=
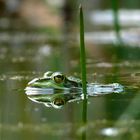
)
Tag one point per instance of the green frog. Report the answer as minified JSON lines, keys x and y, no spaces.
{"x":55,"y":89}
{"x":56,"y":80}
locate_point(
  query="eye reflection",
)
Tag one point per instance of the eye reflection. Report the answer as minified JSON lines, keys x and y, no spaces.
{"x":59,"y":102}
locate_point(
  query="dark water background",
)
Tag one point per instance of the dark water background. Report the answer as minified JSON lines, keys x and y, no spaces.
{"x":28,"y":50}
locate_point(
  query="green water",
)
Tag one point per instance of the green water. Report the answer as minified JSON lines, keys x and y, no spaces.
{"x":26,"y":54}
{"x":21,"y":118}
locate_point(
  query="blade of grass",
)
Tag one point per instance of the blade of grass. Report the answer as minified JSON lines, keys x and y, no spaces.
{"x":83,"y":70}
{"x":117,"y":27}
{"x":83,"y":65}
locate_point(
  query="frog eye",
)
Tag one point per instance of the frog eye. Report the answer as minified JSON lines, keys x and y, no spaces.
{"x":48,"y":74}
{"x":58,"y":103}
{"x":58,"y":77}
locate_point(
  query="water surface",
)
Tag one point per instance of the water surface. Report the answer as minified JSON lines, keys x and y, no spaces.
{"x":112,"y":116}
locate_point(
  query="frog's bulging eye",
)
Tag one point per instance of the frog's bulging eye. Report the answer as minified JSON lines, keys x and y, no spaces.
{"x":58,"y":77}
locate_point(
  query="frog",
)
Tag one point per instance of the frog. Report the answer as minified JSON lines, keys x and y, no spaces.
{"x":55,"y":89}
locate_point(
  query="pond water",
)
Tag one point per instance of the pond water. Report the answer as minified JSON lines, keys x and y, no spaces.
{"x":27,"y":55}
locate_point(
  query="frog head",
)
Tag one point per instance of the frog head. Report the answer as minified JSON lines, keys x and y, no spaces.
{"x":55,"y":80}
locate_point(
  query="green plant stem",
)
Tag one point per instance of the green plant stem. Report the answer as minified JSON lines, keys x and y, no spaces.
{"x":83,"y":66}
{"x":117,"y":27}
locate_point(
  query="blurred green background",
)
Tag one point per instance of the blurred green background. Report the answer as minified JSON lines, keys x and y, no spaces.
{"x":41,"y":35}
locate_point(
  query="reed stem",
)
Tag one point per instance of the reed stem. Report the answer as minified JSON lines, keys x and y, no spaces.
{"x":83,"y":66}
{"x":117,"y":27}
